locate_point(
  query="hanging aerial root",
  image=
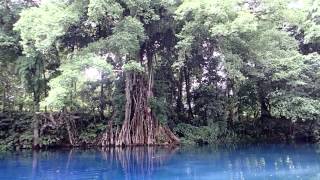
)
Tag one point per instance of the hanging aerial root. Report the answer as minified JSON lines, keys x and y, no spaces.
{"x":127,"y":136}
{"x":58,"y":120}
{"x":140,"y":126}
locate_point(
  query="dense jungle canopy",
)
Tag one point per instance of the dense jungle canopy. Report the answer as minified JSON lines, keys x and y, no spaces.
{"x":158,"y":72}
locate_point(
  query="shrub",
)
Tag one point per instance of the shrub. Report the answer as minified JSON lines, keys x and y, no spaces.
{"x":203,"y":135}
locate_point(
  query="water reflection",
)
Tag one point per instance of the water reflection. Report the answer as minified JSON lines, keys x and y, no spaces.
{"x":155,"y":163}
{"x":138,"y":162}
{"x":267,"y":162}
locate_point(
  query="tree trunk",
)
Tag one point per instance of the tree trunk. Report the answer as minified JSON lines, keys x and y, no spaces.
{"x":45,"y":86}
{"x":36,"y":108}
{"x":36,"y":125}
{"x":233,"y":107}
{"x":262,"y":95}
{"x":188,"y":93}
{"x":4,"y":99}
{"x":102,"y":103}
{"x":140,"y":126}
{"x":71,"y":128}
{"x":180,"y":107}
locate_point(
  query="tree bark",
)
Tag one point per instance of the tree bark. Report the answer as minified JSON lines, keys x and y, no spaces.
{"x":188,"y":93}
{"x":233,"y":110}
{"x":4,"y":98}
{"x":36,"y":123}
{"x":45,"y":85}
{"x":140,"y":127}
{"x":102,"y":103}
{"x":180,"y":106}
{"x":262,"y":96}
{"x":36,"y":108}
{"x":71,"y":128}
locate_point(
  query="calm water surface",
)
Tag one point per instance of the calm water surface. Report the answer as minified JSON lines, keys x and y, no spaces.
{"x":256,"y":162}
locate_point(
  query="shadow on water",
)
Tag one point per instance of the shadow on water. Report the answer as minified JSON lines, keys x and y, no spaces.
{"x":158,"y":163}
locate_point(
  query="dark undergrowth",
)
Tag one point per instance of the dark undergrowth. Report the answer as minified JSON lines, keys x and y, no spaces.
{"x":16,"y":132}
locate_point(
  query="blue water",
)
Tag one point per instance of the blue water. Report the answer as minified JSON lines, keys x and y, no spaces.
{"x":256,"y":162}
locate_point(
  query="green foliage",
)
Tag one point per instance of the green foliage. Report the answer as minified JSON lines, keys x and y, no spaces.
{"x":119,"y":101}
{"x":159,"y":107}
{"x":311,"y":24}
{"x":92,"y":131}
{"x":98,"y":10}
{"x":214,"y":134}
{"x":295,"y":107}
{"x":15,"y":132}
{"x":281,"y":12}
{"x":72,"y":78}
{"x":30,"y":71}
{"x":127,"y":36}
{"x":133,"y":66}
{"x":144,"y":9}
{"x":216,"y":63}
{"x":206,"y":108}
{"x":6,"y":40}
{"x":39,"y":27}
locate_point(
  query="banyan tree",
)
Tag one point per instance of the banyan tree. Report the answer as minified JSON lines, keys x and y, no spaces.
{"x":148,"y":39}
{"x":115,"y":37}
{"x":143,"y":32}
